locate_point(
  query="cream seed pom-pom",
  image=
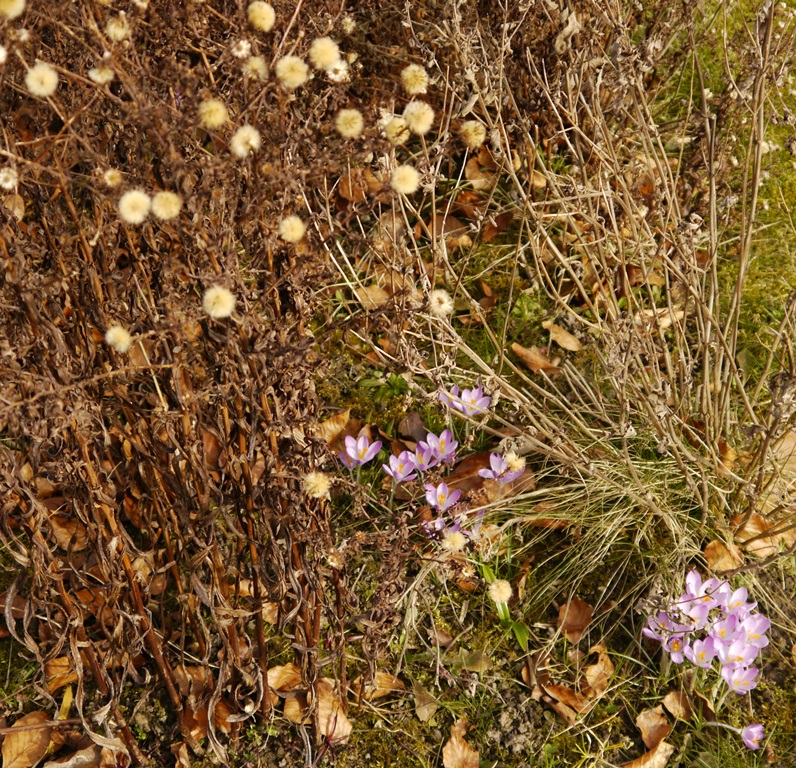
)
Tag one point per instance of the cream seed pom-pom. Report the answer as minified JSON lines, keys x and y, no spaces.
{"x":292,"y":72}
{"x":349,"y":123}
{"x":166,"y":205}
{"x":500,"y":591}
{"x":414,"y":79}
{"x":118,"y":338}
{"x":41,"y":80}
{"x":101,"y":75}
{"x":245,"y":141}
{"x":473,"y":133}
{"x":134,"y":206}
{"x":397,"y":131}
{"x":292,"y":229}
{"x":12,"y":8}
{"x":324,"y":53}
{"x":261,"y":16}
{"x":218,"y":302}
{"x":255,"y":67}
{"x":317,"y":485}
{"x":419,"y":117}
{"x":405,"y":180}
{"x":117,"y":29}
{"x":440,"y":303}
{"x":213,"y":113}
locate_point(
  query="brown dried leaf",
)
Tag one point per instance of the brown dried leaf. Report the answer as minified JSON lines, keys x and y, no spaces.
{"x":372,"y":296}
{"x":562,"y":337}
{"x":332,"y":722}
{"x":297,"y":710}
{"x":654,"y":726}
{"x":331,"y":429}
{"x":194,"y":721}
{"x":656,"y":758}
{"x":479,"y":177}
{"x":193,"y":681}
{"x":539,"y":180}
{"x":212,"y":448}
{"x":284,"y":678}
{"x":181,"y":757}
{"x":720,"y":557}
{"x":25,"y":748}
{"x":574,"y":700}
{"x":678,"y":705}
{"x":536,"y":360}
{"x":760,"y":537}
{"x":425,"y":704}
{"x":383,"y":684}
{"x":69,"y":532}
{"x":599,"y":674}
{"x":83,"y":758}
{"x":457,"y":753}
{"x":565,"y":712}
{"x":58,"y":673}
{"x":573,"y":618}
{"x":496,"y":225}
{"x":221,"y":714}
{"x":270,"y":612}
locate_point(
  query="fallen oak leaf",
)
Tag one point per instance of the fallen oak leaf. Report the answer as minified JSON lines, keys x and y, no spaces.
{"x":573,"y":618}
{"x":654,"y":726}
{"x":655,"y":758}
{"x":562,"y":337}
{"x":599,"y":674}
{"x":574,"y":700}
{"x":27,"y":746}
{"x":332,"y":721}
{"x":678,"y":705}
{"x":457,"y":753}
{"x":536,"y":360}
{"x":720,"y":557}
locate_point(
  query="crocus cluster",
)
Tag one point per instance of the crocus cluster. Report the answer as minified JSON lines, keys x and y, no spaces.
{"x":710,"y":622}
{"x":429,"y":452}
{"x":470,"y":402}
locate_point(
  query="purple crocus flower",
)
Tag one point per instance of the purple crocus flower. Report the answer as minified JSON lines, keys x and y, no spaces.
{"x":473,"y":402}
{"x":756,"y":627}
{"x":442,"y":448}
{"x":701,"y":653}
{"x":440,"y":497}
{"x":661,"y":626}
{"x":449,"y":398}
{"x":752,"y":735}
{"x":360,"y":450}
{"x":402,"y":467}
{"x":738,"y":653}
{"x":424,"y":457}
{"x":676,"y":646}
{"x":740,"y":679}
{"x":499,"y":470}
{"x":726,"y":631}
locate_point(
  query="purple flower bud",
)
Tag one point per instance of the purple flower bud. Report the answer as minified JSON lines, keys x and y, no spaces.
{"x":498,"y":465}
{"x":402,"y":467}
{"x":752,"y":735}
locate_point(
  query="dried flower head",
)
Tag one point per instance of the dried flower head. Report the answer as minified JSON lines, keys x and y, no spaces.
{"x":119,"y":338}
{"x":349,"y":123}
{"x":453,"y":541}
{"x":101,"y":74}
{"x":12,"y":8}
{"x":117,"y":28}
{"x":397,"y":131}
{"x":3,"y":55}
{"x":414,"y":79}
{"x":516,"y":463}
{"x":419,"y":117}
{"x":261,"y":16}
{"x":473,"y":133}
{"x":338,"y":72}
{"x":9,"y":178}
{"x":317,"y":485}
{"x":292,"y":72}
{"x":324,"y":53}
{"x":112,"y":178}
{"x":440,"y":303}
{"x":405,"y":180}
{"x":41,"y":80}
{"x":213,"y":113}
{"x":500,"y":591}
{"x":256,"y":68}
{"x":134,"y":206}
{"x":242,"y":49}
{"x":218,"y":302}
{"x":166,"y":205}
{"x":348,"y":24}
{"x":292,"y":229}
{"x":245,"y":141}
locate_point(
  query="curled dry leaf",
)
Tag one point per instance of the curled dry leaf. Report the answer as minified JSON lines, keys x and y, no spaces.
{"x":383,"y":684}
{"x":181,"y":757}
{"x":26,"y":747}
{"x":654,"y":726}
{"x":193,"y":681}
{"x":332,"y":722}
{"x":678,"y":705}
{"x":761,"y":538}
{"x":535,"y":359}
{"x":284,"y":678}
{"x":83,"y":758}
{"x":297,"y":710}
{"x":599,"y":674}
{"x":58,"y":673}
{"x":655,"y":758}
{"x":334,"y":427}
{"x":457,"y":753}
{"x":574,"y":700}
{"x":720,"y":557}
{"x":573,"y":618}
{"x":562,"y":337}
{"x":69,"y":533}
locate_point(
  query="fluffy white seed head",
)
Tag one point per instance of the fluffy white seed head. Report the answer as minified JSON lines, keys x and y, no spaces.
{"x":245,"y":141}
{"x":242,"y":49}
{"x":117,"y":28}
{"x":12,"y":8}
{"x":414,"y":79}
{"x":317,"y":485}
{"x":397,"y":131}
{"x":134,"y":206}
{"x":261,"y":16}
{"x":473,"y":133}
{"x":338,"y":72}
{"x":349,"y":123}
{"x":9,"y":178}
{"x":324,"y":53}
{"x":453,"y":541}
{"x":119,"y":338}
{"x":256,"y":68}
{"x":213,"y":113}
{"x":516,"y":463}
{"x":218,"y":302}
{"x":41,"y":80}
{"x":292,"y":72}
{"x":112,"y":178}
{"x":101,"y":74}
{"x":405,"y":180}
{"x":440,"y":303}
{"x":3,"y":55}
{"x":500,"y":591}
{"x":419,"y":117}
{"x":292,"y":229}
{"x":166,"y":205}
